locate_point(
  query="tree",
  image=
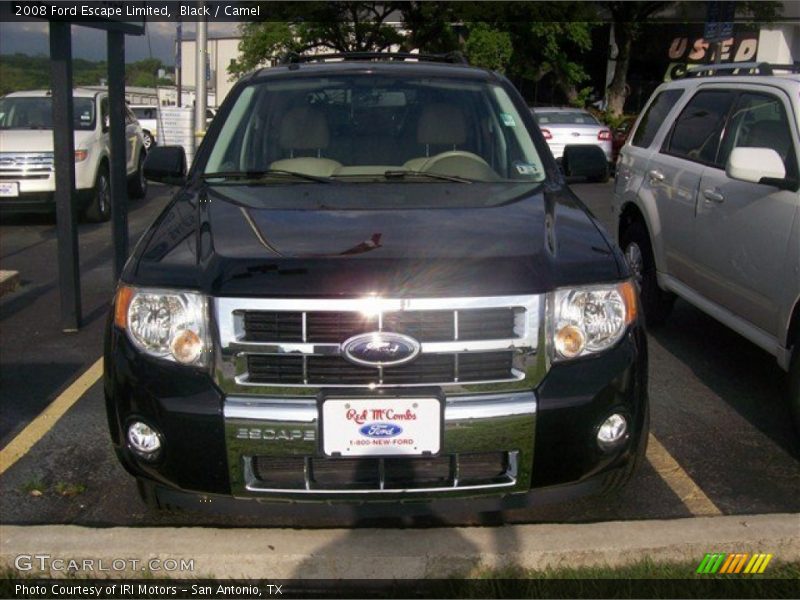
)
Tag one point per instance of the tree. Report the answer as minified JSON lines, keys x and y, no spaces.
{"x":303,"y":26}
{"x":546,"y":39}
{"x":488,"y":47}
{"x":626,"y":18}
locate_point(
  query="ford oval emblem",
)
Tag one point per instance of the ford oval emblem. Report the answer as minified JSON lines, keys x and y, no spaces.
{"x":380,"y":349}
{"x":380,"y":430}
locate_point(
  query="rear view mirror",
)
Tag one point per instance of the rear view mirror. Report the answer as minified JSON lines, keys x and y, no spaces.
{"x":756,"y":165}
{"x":166,"y":164}
{"x":585,"y":161}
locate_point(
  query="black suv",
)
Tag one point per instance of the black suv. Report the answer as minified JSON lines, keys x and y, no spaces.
{"x":374,"y":284}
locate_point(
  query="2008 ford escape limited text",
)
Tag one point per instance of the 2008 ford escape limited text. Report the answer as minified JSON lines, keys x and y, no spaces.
{"x":374,"y":285}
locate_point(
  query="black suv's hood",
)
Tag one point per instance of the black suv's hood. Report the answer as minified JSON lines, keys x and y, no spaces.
{"x":239,"y":240}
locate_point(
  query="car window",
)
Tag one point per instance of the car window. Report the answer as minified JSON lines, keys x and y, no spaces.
{"x":104,"y":112}
{"x":565,"y":118}
{"x":654,"y":116}
{"x":759,"y":120}
{"x":144,"y":113}
{"x":361,"y":127}
{"x":697,"y":130}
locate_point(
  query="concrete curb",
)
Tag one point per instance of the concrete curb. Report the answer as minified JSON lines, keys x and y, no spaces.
{"x":403,"y":553}
{"x":9,"y":282}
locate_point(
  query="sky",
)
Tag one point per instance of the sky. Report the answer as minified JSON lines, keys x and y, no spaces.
{"x":32,"y":38}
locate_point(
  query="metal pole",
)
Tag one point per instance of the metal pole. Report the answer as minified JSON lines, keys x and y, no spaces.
{"x":200,"y":98}
{"x":117,"y":148}
{"x":64,"y":159}
{"x":178,"y":65}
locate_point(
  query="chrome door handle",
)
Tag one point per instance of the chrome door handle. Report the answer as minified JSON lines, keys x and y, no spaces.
{"x":655,"y":176}
{"x":713,"y":195}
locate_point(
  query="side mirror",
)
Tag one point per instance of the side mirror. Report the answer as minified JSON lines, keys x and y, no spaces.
{"x":106,"y":123}
{"x":756,"y":165}
{"x":583,"y":160}
{"x":166,"y":164}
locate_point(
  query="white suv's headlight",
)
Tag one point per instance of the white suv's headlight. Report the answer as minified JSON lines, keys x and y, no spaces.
{"x":167,"y":324}
{"x":590,"y":319}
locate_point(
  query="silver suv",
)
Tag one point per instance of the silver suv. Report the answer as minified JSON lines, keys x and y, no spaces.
{"x":707,"y":206}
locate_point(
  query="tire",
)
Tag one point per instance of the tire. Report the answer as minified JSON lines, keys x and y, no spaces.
{"x":617,"y":480}
{"x":99,"y":210}
{"x":147,"y":140}
{"x":794,"y":387}
{"x":656,"y":303}
{"x":137,"y":184}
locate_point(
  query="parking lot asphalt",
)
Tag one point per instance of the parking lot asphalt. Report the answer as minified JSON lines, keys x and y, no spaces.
{"x":722,"y":440}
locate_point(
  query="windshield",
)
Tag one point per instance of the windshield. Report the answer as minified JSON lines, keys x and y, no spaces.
{"x":565,"y":118}
{"x":363,"y":128}
{"x":37,"y":113}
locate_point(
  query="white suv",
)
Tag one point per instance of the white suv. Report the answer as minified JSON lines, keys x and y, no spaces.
{"x":148,"y":117}
{"x":707,"y":206}
{"x":27,"y":173}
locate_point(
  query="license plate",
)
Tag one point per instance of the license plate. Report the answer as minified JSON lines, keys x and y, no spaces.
{"x":381,"y":427}
{"x":9,"y":189}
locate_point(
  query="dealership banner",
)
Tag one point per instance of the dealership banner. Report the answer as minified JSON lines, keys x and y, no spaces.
{"x":714,"y":587}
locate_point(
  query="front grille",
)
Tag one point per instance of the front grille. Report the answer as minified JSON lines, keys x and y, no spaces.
{"x":396,"y":473}
{"x":32,"y":165}
{"x":335,"y":370}
{"x":300,"y":342}
{"x":337,"y":326}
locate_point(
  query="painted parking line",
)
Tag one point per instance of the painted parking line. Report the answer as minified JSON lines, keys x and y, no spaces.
{"x":679,"y":481}
{"x":43,"y":423}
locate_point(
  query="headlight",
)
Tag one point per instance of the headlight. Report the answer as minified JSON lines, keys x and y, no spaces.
{"x":590,"y":319}
{"x":166,"y":324}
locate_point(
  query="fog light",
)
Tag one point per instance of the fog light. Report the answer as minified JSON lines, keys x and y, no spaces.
{"x":144,"y":440}
{"x":612,"y":432}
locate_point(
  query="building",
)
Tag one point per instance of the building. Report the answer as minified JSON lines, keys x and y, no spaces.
{"x":221,"y":51}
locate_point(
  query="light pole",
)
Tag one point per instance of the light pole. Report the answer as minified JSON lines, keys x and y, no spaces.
{"x":200,"y":98}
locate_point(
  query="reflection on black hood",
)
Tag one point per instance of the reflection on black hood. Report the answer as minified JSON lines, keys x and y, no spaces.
{"x":390,"y":239}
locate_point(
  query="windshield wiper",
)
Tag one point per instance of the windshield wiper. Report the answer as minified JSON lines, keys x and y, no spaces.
{"x":401,"y":174}
{"x":264,"y":174}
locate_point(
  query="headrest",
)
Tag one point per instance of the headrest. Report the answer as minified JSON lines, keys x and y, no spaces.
{"x":768,"y":134}
{"x":441,"y":124}
{"x":303,"y":128}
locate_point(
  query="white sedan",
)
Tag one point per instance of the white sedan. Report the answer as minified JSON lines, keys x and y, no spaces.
{"x":567,"y":126}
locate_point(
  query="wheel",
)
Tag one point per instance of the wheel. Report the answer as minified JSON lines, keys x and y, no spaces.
{"x":794,"y":387}
{"x":100,"y":208}
{"x":147,"y":140}
{"x":656,"y":303}
{"x":137,"y":184}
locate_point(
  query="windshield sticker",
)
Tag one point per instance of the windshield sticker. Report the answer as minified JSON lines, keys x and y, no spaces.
{"x":526,"y":168}
{"x":508,"y":120}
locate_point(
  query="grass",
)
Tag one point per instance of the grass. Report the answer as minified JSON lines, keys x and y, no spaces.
{"x":33,"y":487}
{"x":69,"y":489}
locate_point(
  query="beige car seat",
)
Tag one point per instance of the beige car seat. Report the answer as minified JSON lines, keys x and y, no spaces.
{"x":301,"y":130}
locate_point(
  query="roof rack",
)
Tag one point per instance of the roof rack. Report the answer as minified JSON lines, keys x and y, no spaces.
{"x":748,"y":68}
{"x":450,"y":57}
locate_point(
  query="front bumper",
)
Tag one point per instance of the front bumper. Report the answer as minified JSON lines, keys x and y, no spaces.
{"x":541,"y":439}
